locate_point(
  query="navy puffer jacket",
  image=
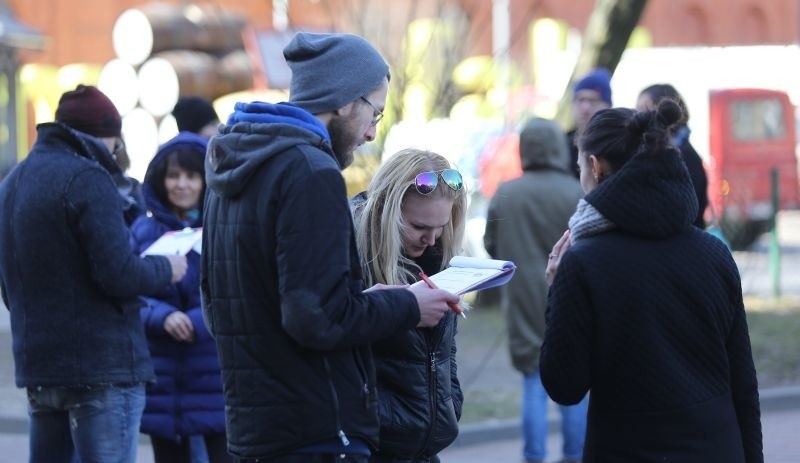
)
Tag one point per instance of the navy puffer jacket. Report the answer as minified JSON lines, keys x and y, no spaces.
{"x":187,"y":397}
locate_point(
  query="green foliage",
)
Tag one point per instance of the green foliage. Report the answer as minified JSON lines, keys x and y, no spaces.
{"x":775,"y":338}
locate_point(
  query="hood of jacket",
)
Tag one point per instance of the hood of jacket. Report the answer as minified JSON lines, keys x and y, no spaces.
{"x":650,"y":196}
{"x":542,"y":145}
{"x":163,"y":212}
{"x":87,"y":146}
{"x":78,"y":143}
{"x":254,"y":133}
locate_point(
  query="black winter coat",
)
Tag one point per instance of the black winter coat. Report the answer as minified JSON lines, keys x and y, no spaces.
{"x":419,"y":396}
{"x":282,"y":287}
{"x":646,"y":313}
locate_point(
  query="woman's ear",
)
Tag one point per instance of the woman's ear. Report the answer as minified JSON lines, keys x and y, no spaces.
{"x":600,"y":169}
{"x":594,"y":163}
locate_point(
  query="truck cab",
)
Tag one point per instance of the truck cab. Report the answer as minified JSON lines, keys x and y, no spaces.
{"x":751,"y":132}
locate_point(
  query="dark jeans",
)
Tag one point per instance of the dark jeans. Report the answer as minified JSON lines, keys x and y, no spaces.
{"x":85,"y":423}
{"x":309,"y":458}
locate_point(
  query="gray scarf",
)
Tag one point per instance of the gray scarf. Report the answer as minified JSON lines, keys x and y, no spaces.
{"x":587,"y":221}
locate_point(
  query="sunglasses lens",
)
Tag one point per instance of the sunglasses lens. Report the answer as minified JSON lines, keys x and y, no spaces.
{"x":453,"y":179}
{"x":426,"y":182}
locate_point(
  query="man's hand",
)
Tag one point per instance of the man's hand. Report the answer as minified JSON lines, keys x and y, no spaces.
{"x":432,"y":304}
{"x":178,"y":265}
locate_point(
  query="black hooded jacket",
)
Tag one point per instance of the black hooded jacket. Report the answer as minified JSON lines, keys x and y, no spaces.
{"x":282,"y":288}
{"x":646,"y":312}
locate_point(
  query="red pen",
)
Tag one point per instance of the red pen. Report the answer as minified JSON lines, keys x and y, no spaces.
{"x":432,"y":285}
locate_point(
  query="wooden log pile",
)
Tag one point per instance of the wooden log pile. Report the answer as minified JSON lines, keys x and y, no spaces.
{"x":167,"y":51}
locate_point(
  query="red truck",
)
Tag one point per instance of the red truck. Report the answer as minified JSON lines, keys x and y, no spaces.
{"x":751,"y":131}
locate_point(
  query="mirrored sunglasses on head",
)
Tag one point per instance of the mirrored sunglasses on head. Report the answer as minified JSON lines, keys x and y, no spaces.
{"x":426,"y":182}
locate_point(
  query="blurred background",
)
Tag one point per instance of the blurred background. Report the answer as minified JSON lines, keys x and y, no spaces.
{"x":465,"y":74}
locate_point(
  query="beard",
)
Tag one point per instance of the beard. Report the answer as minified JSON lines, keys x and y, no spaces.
{"x":343,"y":142}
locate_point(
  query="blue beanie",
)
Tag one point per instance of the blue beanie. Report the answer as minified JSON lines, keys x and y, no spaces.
{"x":598,"y":80}
{"x":330,"y":71}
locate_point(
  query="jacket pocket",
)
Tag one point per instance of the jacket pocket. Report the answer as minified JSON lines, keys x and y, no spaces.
{"x":445,"y":430}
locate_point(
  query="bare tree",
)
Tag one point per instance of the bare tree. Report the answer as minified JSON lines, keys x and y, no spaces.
{"x":607,"y":33}
{"x":427,"y":67}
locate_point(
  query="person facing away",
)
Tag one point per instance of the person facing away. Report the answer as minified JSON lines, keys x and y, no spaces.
{"x":526,"y":216}
{"x":71,"y":281}
{"x":281,"y":276}
{"x":590,"y":94}
{"x":648,"y":99}
{"x":195,"y":114}
{"x":186,"y":400}
{"x":645,"y":310}
{"x":411,"y":220}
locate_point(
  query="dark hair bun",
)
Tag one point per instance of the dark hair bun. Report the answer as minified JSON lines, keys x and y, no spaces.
{"x":668,"y":112}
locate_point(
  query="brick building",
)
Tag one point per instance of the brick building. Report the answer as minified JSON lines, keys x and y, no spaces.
{"x":80,"y":31}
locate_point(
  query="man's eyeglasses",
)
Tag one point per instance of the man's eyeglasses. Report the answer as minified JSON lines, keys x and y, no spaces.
{"x":426,"y":182}
{"x":377,"y":114}
{"x":588,"y":100}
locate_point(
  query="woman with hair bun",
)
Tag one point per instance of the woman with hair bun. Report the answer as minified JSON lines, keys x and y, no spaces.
{"x":679,"y":136}
{"x":645,"y":310}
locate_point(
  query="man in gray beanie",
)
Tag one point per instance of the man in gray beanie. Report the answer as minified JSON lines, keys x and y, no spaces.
{"x":280,"y":276}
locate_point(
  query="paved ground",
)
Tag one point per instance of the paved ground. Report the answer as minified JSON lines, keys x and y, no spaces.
{"x":781,"y":444}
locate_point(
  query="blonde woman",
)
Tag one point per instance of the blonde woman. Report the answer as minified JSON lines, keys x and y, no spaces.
{"x":411,"y":220}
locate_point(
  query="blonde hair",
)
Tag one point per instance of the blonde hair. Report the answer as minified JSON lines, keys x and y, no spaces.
{"x":379,"y":222}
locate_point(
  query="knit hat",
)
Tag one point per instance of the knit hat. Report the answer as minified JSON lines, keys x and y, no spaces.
{"x":598,"y":80}
{"x":192,"y":113}
{"x":88,"y":110}
{"x":331,"y":70}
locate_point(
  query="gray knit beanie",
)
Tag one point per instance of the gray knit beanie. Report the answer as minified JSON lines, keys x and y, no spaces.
{"x":331,"y":70}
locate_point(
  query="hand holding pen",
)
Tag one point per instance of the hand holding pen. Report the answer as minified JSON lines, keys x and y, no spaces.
{"x":453,"y":305}
{"x":433,"y":303}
